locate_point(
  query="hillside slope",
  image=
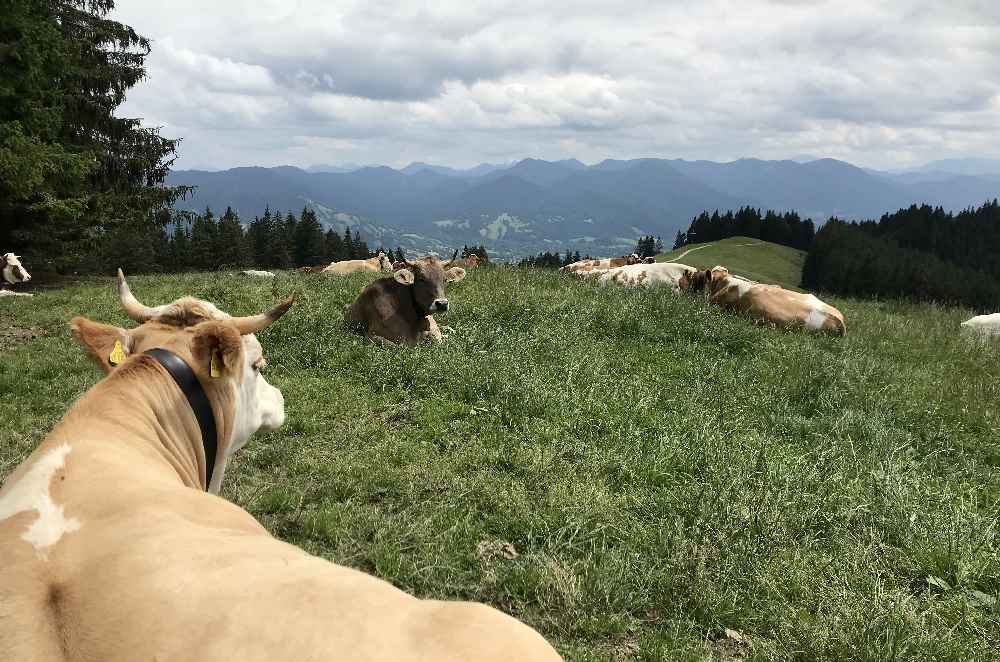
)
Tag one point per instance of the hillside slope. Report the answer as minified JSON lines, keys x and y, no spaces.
{"x":663,"y":471}
{"x":752,"y":258}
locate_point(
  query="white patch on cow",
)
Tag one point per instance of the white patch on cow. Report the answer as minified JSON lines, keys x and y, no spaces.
{"x":742,"y":286}
{"x":31,"y":492}
{"x":817,"y":315}
{"x":986,"y":325}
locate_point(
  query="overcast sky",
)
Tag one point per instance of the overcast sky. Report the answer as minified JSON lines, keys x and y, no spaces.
{"x":878,"y":83}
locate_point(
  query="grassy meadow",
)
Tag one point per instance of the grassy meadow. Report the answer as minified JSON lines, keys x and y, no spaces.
{"x":757,"y":260}
{"x":632,"y":473}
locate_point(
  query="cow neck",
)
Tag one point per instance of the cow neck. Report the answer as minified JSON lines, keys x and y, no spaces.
{"x":416,"y":306}
{"x":141,"y":405}
{"x":201,"y":407}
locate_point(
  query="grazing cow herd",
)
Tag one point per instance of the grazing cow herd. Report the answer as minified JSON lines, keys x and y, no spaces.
{"x":114,"y":543}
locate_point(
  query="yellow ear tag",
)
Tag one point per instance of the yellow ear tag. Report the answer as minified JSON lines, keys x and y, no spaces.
{"x":216,"y":368}
{"x":117,"y":354}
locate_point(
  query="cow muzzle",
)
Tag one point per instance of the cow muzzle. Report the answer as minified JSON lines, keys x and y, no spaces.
{"x":439,"y":306}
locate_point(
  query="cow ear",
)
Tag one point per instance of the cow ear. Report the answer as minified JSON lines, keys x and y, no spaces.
{"x":108,"y":345}
{"x":404,"y":277}
{"x":217,"y":348}
{"x":455,"y":274}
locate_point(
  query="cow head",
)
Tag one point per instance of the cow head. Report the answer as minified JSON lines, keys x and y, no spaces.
{"x":702,"y":281}
{"x":428,"y":278}
{"x":12,"y":271}
{"x":222,"y":351}
{"x":384,"y":263}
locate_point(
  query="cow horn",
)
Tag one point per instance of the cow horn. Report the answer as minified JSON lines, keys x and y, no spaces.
{"x":255,"y":323}
{"x":137,"y":311}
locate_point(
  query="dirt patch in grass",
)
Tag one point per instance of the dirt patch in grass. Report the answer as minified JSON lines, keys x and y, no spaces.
{"x":12,"y":336}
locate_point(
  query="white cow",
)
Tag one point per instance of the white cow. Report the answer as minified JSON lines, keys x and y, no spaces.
{"x":257,"y":274}
{"x":12,"y":272}
{"x":984,"y":325}
{"x":646,"y":275}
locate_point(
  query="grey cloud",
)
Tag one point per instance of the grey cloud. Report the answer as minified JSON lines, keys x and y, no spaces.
{"x":879,"y":83}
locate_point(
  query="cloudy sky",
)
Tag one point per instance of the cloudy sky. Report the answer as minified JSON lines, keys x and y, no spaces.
{"x":880,"y":83}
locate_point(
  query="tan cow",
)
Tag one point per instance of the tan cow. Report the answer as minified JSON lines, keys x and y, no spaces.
{"x":660,"y":274}
{"x":468,"y":262}
{"x":12,"y":272}
{"x":378,"y":263}
{"x":115,"y":548}
{"x":401,"y":309}
{"x":768,"y":303}
{"x":587,"y":268}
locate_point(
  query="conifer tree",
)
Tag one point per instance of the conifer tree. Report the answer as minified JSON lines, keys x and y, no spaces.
{"x":204,"y":242}
{"x":279,"y":253}
{"x":231,"y":250}
{"x":334,"y":246}
{"x":180,"y":246}
{"x":70,"y":170}
{"x":310,"y":244}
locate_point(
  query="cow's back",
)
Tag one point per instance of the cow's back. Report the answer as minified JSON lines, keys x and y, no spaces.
{"x":350,"y":266}
{"x":788,"y":308}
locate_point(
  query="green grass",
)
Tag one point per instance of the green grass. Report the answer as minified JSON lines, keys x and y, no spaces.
{"x":664,"y":471}
{"x":752,"y":258}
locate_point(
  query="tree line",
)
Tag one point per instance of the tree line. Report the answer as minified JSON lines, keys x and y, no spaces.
{"x":648,"y":246}
{"x":202,"y":242}
{"x":920,"y":253}
{"x":550,"y":260}
{"x":787,"y":229}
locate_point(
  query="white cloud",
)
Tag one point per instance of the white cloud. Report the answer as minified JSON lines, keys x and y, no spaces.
{"x":881,"y":84}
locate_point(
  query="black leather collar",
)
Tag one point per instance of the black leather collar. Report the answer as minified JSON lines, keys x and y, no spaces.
{"x":192,"y":389}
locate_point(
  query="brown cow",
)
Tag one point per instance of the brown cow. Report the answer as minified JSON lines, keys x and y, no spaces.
{"x":768,"y":303}
{"x":400,"y":309}
{"x":111,"y":548}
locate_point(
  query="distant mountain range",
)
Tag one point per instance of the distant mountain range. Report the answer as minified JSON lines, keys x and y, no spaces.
{"x":534,"y":205}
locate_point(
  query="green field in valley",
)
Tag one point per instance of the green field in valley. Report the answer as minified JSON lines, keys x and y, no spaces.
{"x":630,"y":472}
{"x":757,"y":260}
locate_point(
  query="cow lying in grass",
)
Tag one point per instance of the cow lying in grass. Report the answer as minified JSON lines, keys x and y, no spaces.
{"x":254,"y":273}
{"x":400,"y":309}
{"x":468,"y":262}
{"x":378,"y":263}
{"x":983,"y":325}
{"x":115,"y":547}
{"x":659,"y":274}
{"x":768,"y":303}
{"x":12,"y":272}
{"x":586,"y":268}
